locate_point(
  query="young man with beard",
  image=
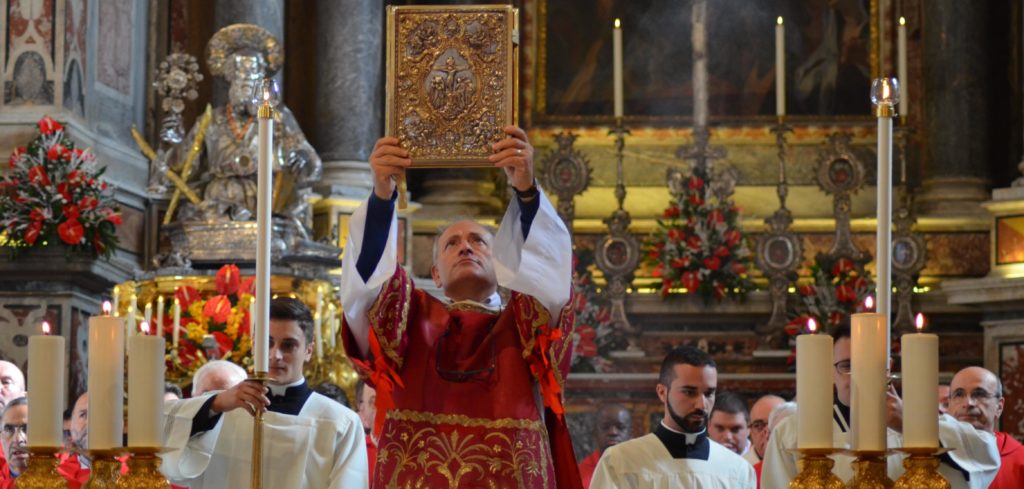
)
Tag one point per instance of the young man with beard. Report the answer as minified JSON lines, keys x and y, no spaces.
{"x":678,"y":453}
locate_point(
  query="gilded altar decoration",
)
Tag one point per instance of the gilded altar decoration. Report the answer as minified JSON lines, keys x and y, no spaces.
{"x":699,"y":245}
{"x":54,"y":193}
{"x":451,"y":83}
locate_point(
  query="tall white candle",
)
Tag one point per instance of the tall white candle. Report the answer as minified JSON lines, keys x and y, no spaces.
{"x":106,"y":381}
{"x":901,"y":66}
{"x":700,"y":70}
{"x":617,"y":66}
{"x":116,"y":300}
{"x":920,"y":380}
{"x":159,"y":315}
{"x":261,"y":333}
{"x":148,"y":317}
{"x":46,"y":388}
{"x":318,"y":335}
{"x":780,"y":68}
{"x":145,"y":389}
{"x":333,"y":337}
{"x":883,"y":235}
{"x":133,"y":304}
{"x":814,"y":390}
{"x":176,"y":324}
{"x":869,"y":361}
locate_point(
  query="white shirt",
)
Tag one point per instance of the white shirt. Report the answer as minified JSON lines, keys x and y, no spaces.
{"x":974,"y":451}
{"x":323,"y":447}
{"x":645,"y":463}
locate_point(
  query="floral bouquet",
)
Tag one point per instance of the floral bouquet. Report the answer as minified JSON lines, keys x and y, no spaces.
{"x":699,"y":245}
{"x":224,"y":316}
{"x":54,"y":192}
{"x":595,"y":335}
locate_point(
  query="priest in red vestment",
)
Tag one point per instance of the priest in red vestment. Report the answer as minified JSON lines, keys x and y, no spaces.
{"x":976,"y":397}
{"x":468,"y":384}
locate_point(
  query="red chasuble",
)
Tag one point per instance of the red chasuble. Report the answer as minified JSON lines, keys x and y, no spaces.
{"x":456,"y":403}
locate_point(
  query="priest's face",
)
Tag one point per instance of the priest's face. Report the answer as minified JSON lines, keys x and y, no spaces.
{"x":14,"y":437}
{"x":841,"y":369}
{"x":975,"y":397}
{"x":730,"y":430}
{"x":613,"y":426}
{"x":80,"y":423}
{"x":759,"y":422}
{"x":288,"y":351}
{"x":463,"y":266}
{"x":690,"y":397}
{"x":12,"y":382}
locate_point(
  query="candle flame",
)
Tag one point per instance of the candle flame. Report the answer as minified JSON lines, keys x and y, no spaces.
{"x":144,"y":327}
{"x":869,"y":302}
{"x":779,"y":20}
{"x":903,"y":21}
{"x":919,"y":322}
{"x":812,"y":325}
{"x":106,"y":308}
{"x":618,"y":25}
{"x":46,"y":327}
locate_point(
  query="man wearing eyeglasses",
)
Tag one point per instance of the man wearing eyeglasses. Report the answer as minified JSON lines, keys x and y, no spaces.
{"x":14,"y":438}
{"x":481,"y":373}
{"x":976,"y":397}
{"x":972,"y":463}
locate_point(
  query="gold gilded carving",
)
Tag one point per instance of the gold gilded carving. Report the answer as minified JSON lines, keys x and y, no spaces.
{"x":451,"y":81}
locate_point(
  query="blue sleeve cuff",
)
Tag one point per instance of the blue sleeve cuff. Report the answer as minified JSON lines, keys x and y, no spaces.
{"x":528,"y":211}
{"x":375,"y":233}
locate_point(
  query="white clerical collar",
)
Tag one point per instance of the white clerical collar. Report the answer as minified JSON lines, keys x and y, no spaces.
{"x":492,"y":303}
{"x":691,"y":438}
{"x":279,"y":389}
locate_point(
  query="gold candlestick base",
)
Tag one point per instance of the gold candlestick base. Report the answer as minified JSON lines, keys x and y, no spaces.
{"x":870,"y":471}
{"x":42,"y":470}
{"x":815,"y":470}
{"x":143,"y":470}
{"x":106,"y":468}
{"x":922,"y":469}
{"x":257,"y":435}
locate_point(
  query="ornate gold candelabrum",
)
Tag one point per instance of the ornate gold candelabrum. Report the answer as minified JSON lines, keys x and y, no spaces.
{"x":106,"y":468}
{"x":869,"y":471}
{"x":143,"y":470}
{"x":257,"y":435}
{"x":42,"y":470}
{"x":922,"y":469}
{"x":815,"y":470}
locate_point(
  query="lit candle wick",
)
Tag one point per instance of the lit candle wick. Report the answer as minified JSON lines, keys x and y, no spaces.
{"x":106,"y":308}
{"x":869,"y":303}
{"x":812,"y":325}
{"x":46,"y":327}
{"x":919,"y":322}
{"x":144,"y":327}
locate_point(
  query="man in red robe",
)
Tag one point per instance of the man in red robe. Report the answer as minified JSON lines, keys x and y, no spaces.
{"x":468,"y":385}
{"x":976,"y":397}
{"x":614,"y":426}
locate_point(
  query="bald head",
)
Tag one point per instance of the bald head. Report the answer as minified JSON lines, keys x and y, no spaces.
{"x":12,"y":382}
{"x":216,"y":375}
{"x":976,"y":397}
{"x":759,"y":421}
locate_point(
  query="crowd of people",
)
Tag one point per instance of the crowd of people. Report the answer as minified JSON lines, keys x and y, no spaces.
{"x":465,"y":389}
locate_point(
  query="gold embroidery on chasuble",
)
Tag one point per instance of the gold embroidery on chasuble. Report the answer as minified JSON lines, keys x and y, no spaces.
{"x":426,"y":449}
{"x":389,"y":315}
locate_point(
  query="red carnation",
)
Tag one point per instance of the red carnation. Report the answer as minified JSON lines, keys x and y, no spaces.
{"x":715,"y":217}
{"x":690,"y":281}
{"x":695,"y":199}
{"x":678,"y":263}
{"x":845,"y":293}
{"x":62,"y":189}
{"x":37,"y":175}
{"x":113,"y":217}
{"x":37,"y":214}
{"x":806,"y":290}
{"x":76,"y":177}
{"x":722,"y":251}
{"x":32,"y":232}
{"x":224,"y":342}
{"x":186,"y":295}
{"x":248,"y":286}
{"x":695,"y":183}
{"x":218,"y":308}
{"x":71,"y":231}
{"x":88,"y":202}
{"x":56,"y":152}
{"x":676,"y":234}
{"x":228,"y":279}
{"x":49,"y":126}
{"x":842,"y":265}
{"x":16,"y":156}
{"x":712,"y":263}
{"x":693,"y":242}
{"x":732,"y":237}
{"x":671,"y":212}
{"x":71,"y":211}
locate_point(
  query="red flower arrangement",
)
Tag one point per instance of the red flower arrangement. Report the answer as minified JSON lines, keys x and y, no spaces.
{"x":223,"y":315}
{"x":55,"y":192}
{"x":698,"y":244}
{"x":595,"y":336}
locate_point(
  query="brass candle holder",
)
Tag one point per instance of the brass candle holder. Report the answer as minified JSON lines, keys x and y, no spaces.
{"x":870,"y":470}
{"x":106,"y":468}
{"x":257,"y":435}
{"x":815,"y":470}
{"x":42,"y":470}
{"x":922,"y":469}
{"x":144,"y":470}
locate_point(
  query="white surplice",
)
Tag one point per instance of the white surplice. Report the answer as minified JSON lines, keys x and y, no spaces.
{"x":645,"y":463}
{"x":322,"y":448}
{"x":973,"y":450}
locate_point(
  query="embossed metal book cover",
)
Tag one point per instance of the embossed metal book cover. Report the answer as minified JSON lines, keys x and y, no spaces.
{"x":452,"y":81}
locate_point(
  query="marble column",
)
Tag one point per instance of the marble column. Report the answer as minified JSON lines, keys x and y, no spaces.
{"x":956,"y":108}
{"x":349,"y":94}
{"x":268,"y":14}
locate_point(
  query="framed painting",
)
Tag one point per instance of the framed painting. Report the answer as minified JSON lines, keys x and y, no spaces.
{"x":1009,"y":240}
{"x":829,"y":59}
{"x":1011,"y":373}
